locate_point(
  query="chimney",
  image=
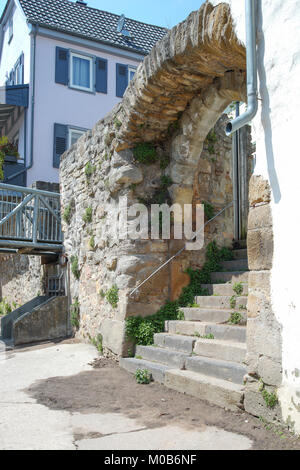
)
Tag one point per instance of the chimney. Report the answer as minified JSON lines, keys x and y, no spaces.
{"x":81,"y":2}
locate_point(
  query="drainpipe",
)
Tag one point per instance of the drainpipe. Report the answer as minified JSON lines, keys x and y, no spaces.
{"x":28,"y":167}
{"x":252,"y":108}
{"x":236,"y":186}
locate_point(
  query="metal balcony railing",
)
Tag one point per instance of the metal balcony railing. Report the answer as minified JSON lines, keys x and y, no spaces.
{"x":29,"y":219}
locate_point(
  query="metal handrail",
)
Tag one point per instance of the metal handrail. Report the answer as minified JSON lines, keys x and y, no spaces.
{"x":21,"y":189}
{"x":29,"y":218}
{"x":178,"y":252}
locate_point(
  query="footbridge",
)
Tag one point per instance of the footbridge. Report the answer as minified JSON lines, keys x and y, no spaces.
{"x":30,"y":221}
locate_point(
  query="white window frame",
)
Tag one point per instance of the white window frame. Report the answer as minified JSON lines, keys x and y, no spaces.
{"x":19,"y":69}
{"x":91,"y":60}
{"x":131,"y":69}
{"x":77,"y":130}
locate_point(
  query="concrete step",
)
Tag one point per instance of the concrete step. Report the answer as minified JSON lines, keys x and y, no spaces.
{"x":223,"y":289}
{"x":157,"y":370}
{"x":219,"y":349}
{"x":216,"y":391}
{"x":175,"y":342}
{"x":233,"y":277}
{"x":235,"y":265}
{"x":223,"y":332}
{"x":217,"y":368}
{"x":211,"y":315}
{"x":222,"y":301}
{"x":172,"y":359}
{"x":240,"y":254}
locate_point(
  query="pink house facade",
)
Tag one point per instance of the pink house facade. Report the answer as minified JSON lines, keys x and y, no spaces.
{"x":61,"y":70}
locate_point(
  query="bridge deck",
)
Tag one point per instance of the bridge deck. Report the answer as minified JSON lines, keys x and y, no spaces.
{"x":30,"y":221}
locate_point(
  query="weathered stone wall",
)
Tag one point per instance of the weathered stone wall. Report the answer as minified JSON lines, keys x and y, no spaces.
{"x":46,"y":322}
{"x":264,"y":343}
{"x":21,"y":278}
{"x":104,"y":262}
{"x":175,"y":99}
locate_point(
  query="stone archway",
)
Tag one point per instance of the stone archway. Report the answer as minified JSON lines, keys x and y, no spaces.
{"x":184,"y":84}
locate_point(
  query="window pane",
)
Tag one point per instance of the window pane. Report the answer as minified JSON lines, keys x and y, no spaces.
{"x":131,"y":74}
{"x":18,"y":75}
{"x":81,"y":72}
{"x":75,"y":135}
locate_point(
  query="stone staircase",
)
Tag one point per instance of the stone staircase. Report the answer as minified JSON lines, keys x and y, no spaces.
{"x":204,"y":355}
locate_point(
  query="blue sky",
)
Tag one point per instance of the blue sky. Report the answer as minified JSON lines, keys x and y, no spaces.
{"x":161,"y":12}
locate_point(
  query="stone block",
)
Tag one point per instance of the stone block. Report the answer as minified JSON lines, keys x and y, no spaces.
{"x":46,"y":322}
{"x":113,"y":334}
{"x":264,"y":337}
{"x":260,"y":249}
{"x":205,"y":167}
{"x":256,"y":405}
{"x":270,"y":371}
{"x":126,"y":175}
{"x":259,"y":190}
{"x":260,"y":217}
{"x":260,"y":281}
{"x":256,"y":302}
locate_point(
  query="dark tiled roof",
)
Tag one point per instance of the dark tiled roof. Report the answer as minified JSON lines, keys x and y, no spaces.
{"x":97,"y":25}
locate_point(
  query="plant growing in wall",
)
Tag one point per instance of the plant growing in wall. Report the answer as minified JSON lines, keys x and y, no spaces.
{"x":102,"y":294}
{"x":164,"y":162}
{"x":75,"y":313}
{"x":209,"y":210}
{"x":270,"y":399}
{"x":92,"y":243}
{"x":88,"y":215}
{"x":6,"y":308}
{"x":145,"y":153}
{"x":174,"y":126}
{"x":6,"y":149}
{"x":112,"y":296}
{"x":98,"y":343}
{"x":67,"y":214}
{"x":210,"y":140}
{"x":75,"y":267}
{"x":89,"y":170}
{"x":117,"y":123}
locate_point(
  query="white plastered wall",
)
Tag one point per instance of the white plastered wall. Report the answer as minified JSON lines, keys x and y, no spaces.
{"x":12,"y":50}
{"x":276,"y":132}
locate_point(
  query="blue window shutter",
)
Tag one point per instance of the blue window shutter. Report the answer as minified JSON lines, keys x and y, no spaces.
{"x":60,"y":143}
{"x":122,"y":79}
{"x":12,"y":169}
{"x":101,"y":75}
{"x":62,"y":66}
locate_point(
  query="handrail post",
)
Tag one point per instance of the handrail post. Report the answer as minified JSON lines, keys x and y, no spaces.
{"x":35,"y":218}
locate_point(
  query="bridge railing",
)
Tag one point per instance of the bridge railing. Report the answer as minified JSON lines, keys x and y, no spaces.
{"x":29,"y":218}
